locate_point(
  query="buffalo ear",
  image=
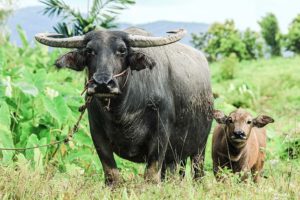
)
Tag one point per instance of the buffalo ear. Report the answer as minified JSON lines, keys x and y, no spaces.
{"x":74,"y":60}
{"x":138,"y":61}
{"x":220,"y":117}
{"x":262,"y":120}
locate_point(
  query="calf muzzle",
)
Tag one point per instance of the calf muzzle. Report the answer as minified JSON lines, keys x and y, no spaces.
{"x":239,"y":135}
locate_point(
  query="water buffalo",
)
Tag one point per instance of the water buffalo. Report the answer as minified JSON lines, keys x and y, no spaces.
{"x":152,"y":99}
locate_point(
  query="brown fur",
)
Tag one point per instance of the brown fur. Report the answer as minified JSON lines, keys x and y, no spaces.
{"x":244,"y":155}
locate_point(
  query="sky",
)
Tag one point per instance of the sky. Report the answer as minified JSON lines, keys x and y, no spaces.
{"x":245,"y":13}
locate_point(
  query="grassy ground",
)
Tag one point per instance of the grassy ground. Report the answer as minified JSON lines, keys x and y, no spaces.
{"x":264,"y":86}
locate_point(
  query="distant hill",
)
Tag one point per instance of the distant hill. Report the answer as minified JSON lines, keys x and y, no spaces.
{"x":33,"y":21}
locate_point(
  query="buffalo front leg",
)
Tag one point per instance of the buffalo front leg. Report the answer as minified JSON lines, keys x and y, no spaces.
{"x":108,"y":162}
{"x":105,"y":153}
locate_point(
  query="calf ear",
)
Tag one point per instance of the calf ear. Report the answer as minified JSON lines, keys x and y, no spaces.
{"x":138,"y":61}
{"x":262,"y":120}
{"x":74,"y":60}
{"x":219,"y":116}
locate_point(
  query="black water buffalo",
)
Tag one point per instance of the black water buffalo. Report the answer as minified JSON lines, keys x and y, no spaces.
{"x":152,"y":99}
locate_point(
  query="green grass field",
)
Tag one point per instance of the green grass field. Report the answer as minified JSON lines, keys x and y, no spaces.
{"x":73,"y":172}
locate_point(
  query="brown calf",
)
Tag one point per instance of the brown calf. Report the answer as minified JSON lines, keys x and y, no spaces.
{"x":239,"y":142}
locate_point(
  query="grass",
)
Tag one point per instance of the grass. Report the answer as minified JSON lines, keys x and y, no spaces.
{"x":263,"y":86}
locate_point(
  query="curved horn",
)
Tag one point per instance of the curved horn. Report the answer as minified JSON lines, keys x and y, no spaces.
{"x":146,"y":41}
{"x":57,"y":40}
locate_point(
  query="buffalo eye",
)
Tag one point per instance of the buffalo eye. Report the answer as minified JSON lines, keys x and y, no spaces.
{"x":121,"y":51}
{"x":229,"y":120}
{"x":249,"y":122}
{"x":90,"y":51}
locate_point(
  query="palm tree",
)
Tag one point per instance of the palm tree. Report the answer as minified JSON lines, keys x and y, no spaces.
{"x":101,"y":14}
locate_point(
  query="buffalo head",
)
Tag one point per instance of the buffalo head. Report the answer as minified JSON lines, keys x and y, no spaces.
{"x":106,"y":54}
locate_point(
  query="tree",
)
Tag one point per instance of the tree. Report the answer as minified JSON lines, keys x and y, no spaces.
{"x":271,"y":33}
{"x":222,"y":40}
{"x":101,"y":14}
{"x":292,"y":39}
{"x":253,"y":45}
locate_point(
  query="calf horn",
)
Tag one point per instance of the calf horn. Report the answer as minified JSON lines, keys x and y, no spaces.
{"x":57,"y":40}
{"x":146,"y":41}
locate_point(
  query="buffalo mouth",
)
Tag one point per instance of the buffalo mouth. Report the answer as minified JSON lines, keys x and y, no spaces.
{"x":105,"y":95}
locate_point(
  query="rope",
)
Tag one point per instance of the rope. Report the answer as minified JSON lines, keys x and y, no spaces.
{"x":75,"y":129}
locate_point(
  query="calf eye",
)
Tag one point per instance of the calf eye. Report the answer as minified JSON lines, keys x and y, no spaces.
{"x":229,"y":120}
{"x":249,"y":122}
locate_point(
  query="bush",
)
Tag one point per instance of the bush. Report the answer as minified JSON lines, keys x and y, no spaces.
{"x":222,"y":40}
{"x":271,"y":33}
{"x":292,"y":39}
{"x":291,"y":147}
{"x":228,"y":67}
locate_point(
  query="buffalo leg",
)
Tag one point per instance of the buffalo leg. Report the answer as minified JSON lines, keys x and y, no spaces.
{"x":105,"y":153}
{"x":198,"y":164}
{"x":157,"y":150}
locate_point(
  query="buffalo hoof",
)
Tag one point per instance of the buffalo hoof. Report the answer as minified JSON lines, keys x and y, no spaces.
{"x":153,"y":174}
{"x":113,"y":178}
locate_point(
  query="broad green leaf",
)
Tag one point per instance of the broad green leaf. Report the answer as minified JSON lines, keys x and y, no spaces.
{"x":27,"y":88}
{"x":31,"y":142}
{"x":38,"y":161}
{"x":43,"y":150}
{"x":62,"y":108}
{"x":82,"y":138}
{"x":6,"y":141}
{"x":5,"y":119}
{"x":51,"y":109}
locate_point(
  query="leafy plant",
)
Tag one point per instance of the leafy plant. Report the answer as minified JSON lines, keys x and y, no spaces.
{"x":39,"y":105}
{"x":102,"y":14}
{"x":271,"y":33}
{"x":228,"y":67}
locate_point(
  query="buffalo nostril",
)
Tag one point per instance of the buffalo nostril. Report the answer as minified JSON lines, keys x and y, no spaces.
{"x":91,"y":88}
{"x":102,"y":79}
